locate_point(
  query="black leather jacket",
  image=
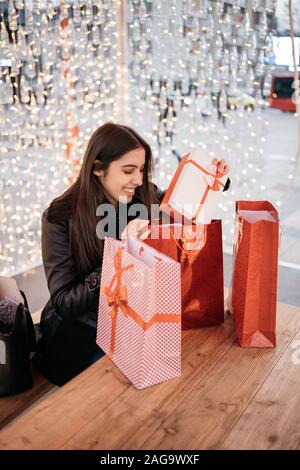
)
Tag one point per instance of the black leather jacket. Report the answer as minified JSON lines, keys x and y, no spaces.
{"x":70,"y":296}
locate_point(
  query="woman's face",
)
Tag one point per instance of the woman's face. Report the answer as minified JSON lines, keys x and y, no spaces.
{"x":123,"y":176}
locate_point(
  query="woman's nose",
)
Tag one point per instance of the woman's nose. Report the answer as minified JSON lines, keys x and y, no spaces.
{"x":138,"y":178}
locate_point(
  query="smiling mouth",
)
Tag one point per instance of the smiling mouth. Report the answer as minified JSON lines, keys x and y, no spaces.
{"x":129,"y":191}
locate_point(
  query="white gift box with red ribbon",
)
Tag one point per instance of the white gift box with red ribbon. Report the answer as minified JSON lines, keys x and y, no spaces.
{"x":196,"y":189}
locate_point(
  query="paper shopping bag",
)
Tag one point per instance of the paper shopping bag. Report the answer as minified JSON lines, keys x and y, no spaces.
{"x":139,"y":322}
{"x":253,"y":296}
{"x":201,"y":262}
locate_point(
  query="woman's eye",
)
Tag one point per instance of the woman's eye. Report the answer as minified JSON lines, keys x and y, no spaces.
{"x":131,"y":172}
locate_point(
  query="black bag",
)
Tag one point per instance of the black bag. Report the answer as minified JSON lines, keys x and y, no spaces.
{"x":17,"y":339}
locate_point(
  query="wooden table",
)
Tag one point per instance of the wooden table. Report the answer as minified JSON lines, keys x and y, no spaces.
{"x":226,"y":398}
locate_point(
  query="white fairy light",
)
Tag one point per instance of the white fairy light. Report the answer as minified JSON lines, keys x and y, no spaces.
{"x":33,"y":119}
{"x":178,"y":54}
{"x":205,"y":60}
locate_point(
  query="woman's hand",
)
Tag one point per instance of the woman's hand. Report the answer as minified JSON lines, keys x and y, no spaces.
{"x":137,"y":228}
{"x":222,"y":166}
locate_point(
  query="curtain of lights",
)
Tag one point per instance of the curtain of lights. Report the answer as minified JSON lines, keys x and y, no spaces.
{"x":183,"y":73}
{"x":200,"y":75}
{"x":58,"y":75}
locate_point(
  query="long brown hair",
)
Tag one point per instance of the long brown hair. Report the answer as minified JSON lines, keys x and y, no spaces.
{"x":107,"y":144}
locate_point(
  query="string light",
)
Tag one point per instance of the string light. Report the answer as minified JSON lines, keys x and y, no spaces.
{"x":39,"y":108}
{"x":186,"y":61}
{"x":212,"y":84}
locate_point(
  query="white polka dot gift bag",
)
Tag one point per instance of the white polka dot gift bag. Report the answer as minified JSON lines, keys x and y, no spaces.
{"x":139,"y":321}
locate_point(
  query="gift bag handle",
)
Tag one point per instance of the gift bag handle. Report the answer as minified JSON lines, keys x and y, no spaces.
{"x":183,"y":240}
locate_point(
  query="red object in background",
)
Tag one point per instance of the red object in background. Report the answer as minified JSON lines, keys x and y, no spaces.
{"x":282,"y":92}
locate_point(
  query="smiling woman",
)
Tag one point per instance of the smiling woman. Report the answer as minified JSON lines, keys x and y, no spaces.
{"x":115,"y":173}
{"x":116,"y":168}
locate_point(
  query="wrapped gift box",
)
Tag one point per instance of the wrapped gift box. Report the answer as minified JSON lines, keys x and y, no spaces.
{"x":195,"y":190}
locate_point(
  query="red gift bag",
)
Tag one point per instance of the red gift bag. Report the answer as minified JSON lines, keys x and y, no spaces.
{"x":252,"y":300}
{"x":202,"y":280}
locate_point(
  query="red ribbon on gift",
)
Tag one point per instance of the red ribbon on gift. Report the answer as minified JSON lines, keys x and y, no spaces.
{"x":117,"y":299}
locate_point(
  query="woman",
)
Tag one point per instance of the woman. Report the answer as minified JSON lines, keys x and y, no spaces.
{"x":116,"y":167}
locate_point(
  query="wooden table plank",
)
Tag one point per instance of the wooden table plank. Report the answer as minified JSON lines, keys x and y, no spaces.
{"x":272,"y":419}
{"x":63,"y":413}
{"x":99,"y":409}
{"x":138,"y":412}
{"x":215,"y":403}
{"x":89,"y":405}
